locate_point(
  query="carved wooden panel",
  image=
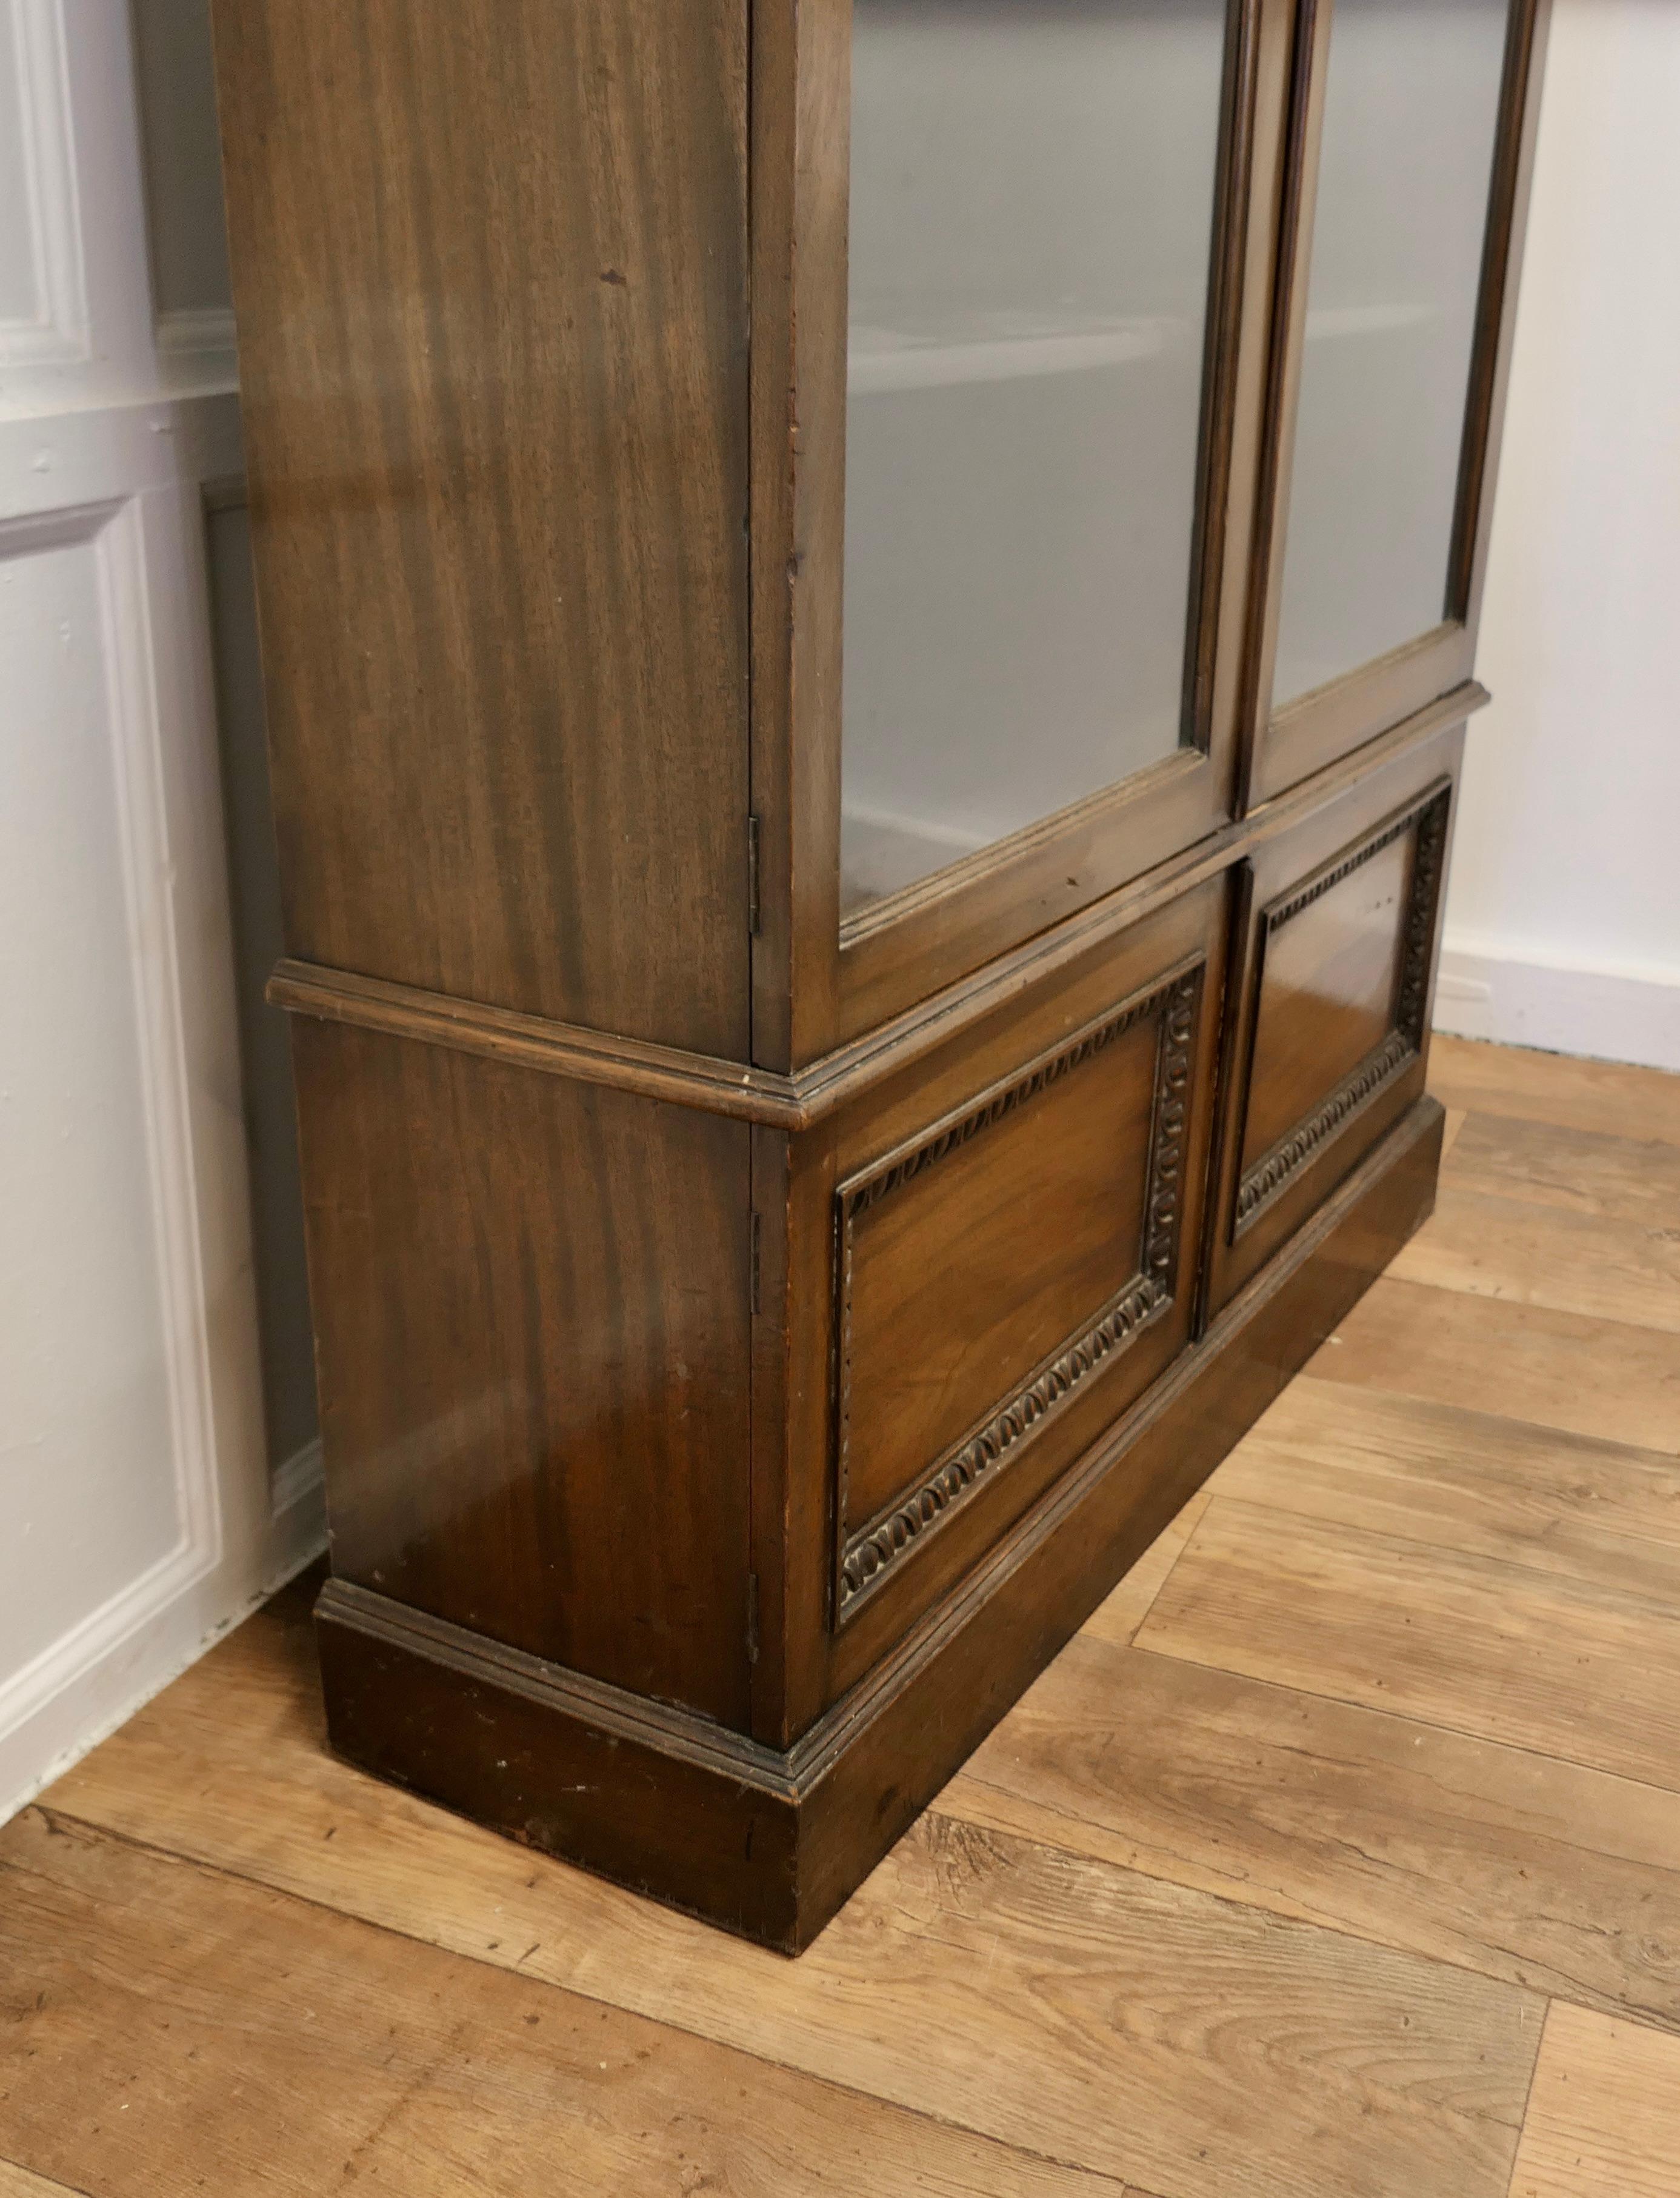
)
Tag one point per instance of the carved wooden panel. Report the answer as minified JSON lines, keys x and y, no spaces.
{"x":1009,"y":1251}
{"x":1342,"y":982}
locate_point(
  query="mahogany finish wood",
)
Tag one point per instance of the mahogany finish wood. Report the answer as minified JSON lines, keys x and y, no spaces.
{"x":532,"y":1327}
{"x":1328,"y":1027}
{"x":771,"y":1842}
{"x":749,"y":1346}
{"x":491,"y":276}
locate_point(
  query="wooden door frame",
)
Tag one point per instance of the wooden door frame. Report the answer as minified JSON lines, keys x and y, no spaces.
{"x":818,"y":982}
{"x":1314,"y":729}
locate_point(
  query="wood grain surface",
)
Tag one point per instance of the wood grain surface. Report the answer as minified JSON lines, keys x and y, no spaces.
{"x":1601,"y":1097}
{"x":1494,"y":1859}
{"x":1004,"y":1986}
{"x":1580,"y":1374}
{"x":1604,"y":2118}
{"x":1481,"y":1645}
{"x":1367,"y":1771}
{"x":387,"y":2062}
{"x":496,"y":416}
{"x":532,"y":1305}
{"x":18,"y":2183}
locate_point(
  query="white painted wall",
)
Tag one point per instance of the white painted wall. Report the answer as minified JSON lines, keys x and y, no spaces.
{"x":1563,"y":919}
{"x":149,"y":1487}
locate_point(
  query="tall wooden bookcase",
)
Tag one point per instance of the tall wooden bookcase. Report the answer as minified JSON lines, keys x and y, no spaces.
{"x":868,"y":610}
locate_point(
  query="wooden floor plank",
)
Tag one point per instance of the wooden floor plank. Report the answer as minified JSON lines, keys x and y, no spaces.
{"x":170,"y":2028}
{"x":1524,"y":1362}
{"x":1614,"y":1178}
{"x":1498,"y":1247}
{"x":1119,"y":1617}
{"x":1588,"y":1673}
{"x":1177,"y":2041}
{"x":18,"y":2182}
{"x":1598,"y":1512}
{"x":1604,"y":2119}
{"x":1605,"y":1096}
{"x":1543,"y":1873}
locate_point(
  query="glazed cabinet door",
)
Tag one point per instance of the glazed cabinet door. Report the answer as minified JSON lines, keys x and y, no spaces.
{"x":1409,"y":171}
{"x":1031,"y":250}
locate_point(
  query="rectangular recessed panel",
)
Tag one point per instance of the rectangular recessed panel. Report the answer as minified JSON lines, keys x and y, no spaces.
{"x":991,"y":1269}
{"x":1342,"y":995}
{"x":1326,"y":993}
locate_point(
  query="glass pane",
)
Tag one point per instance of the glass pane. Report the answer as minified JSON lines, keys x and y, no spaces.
{"x":1032,"y":203}
{"x":1411,"y":109}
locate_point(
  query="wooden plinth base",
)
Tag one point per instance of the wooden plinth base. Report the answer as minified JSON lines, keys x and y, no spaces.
{"x":770,"y":1844}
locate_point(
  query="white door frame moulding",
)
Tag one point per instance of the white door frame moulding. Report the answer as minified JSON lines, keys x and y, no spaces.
{"x":128,"y":481}
{"x":57,"y":331}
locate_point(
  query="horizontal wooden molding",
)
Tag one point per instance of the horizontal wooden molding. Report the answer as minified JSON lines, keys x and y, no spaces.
{"x":799,"y":1101}
{"x":525,"y":1041}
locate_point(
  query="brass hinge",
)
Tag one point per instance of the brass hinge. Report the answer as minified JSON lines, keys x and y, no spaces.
{"x":753,"y":875}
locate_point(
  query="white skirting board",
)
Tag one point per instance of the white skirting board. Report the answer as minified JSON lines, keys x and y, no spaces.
{"x":1625,"y":1013}
{"x":94,"y":1678}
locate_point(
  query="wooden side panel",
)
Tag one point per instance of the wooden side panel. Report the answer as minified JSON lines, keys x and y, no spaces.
{"x":489,"y":263}
{"x":1329,"y":1025}
{"x":532,"y":1311}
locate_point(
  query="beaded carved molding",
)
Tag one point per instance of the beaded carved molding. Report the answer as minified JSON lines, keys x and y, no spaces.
{"x":866,"y":1558}
{"x":1277,"y":1167}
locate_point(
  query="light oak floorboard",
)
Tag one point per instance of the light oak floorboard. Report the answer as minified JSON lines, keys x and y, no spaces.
{"x":1611,"y":1178}
{"x":1604,"y":2119}
{"x":18,"y":2182}
{"x":1119,"y":1617}
{"x":1542,"y":1874}
{"x":1525,"y":1362}
{"x":174,"y":2029}
{"x":1451,"y":1129}
{"x":1190,"y":2045}
{"x":1598,"y":1512}
{"x":1500,"y":1651}
{"x":1498,"y":1247}
{"x":1601,"y":1095}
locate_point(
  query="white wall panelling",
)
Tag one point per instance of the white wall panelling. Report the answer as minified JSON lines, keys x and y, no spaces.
{"x":122,"y":1059}
{"x":44,"y":317}
{"x":191,"y":298}
{"x":141,"y":1511}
